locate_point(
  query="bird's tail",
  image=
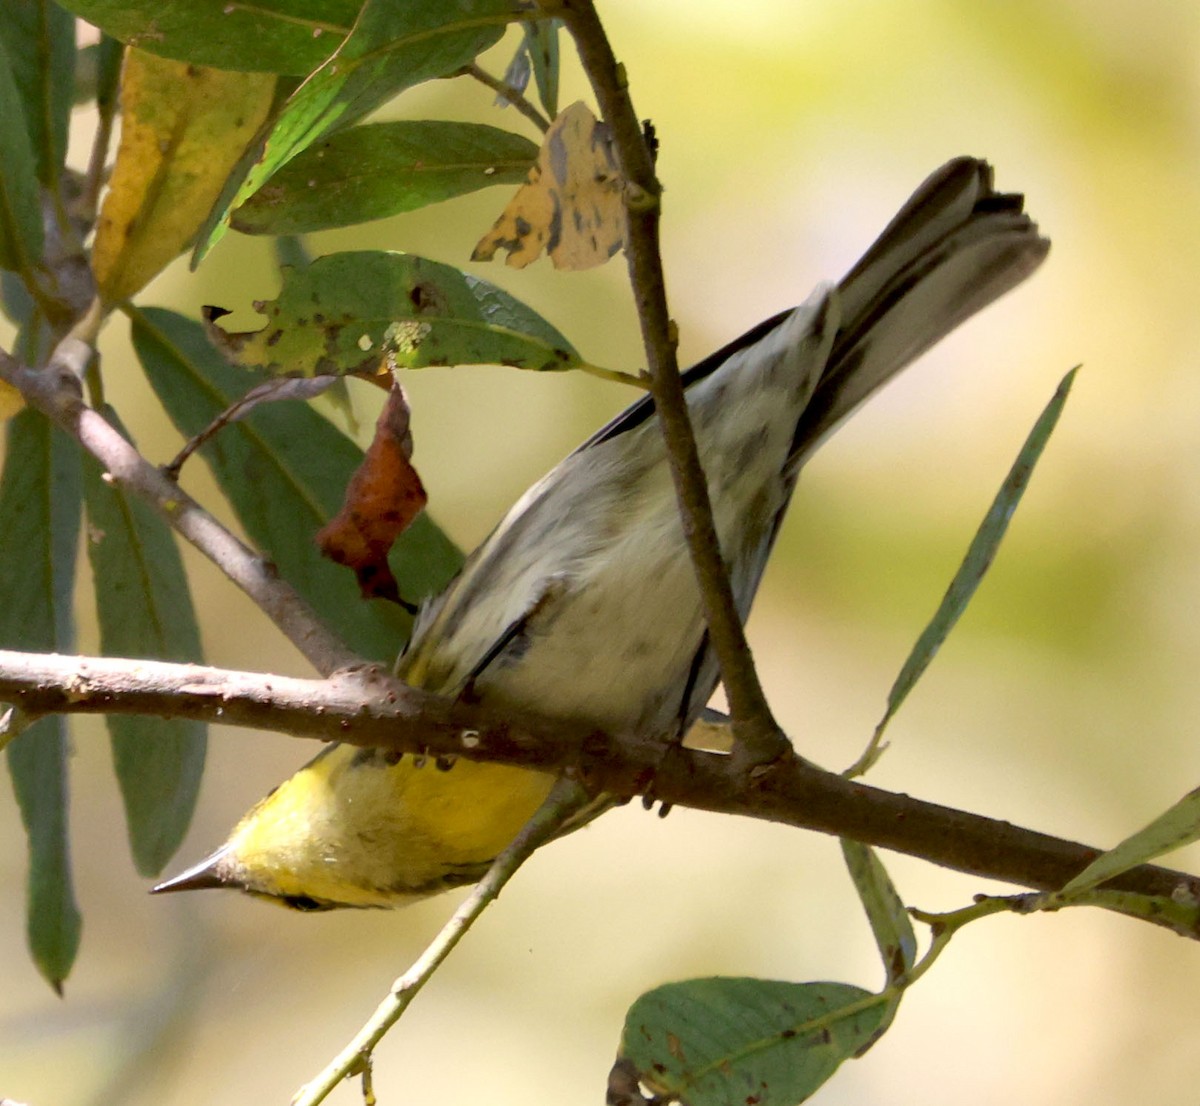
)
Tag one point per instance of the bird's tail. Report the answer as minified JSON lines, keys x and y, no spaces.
{"x":956,"y":246}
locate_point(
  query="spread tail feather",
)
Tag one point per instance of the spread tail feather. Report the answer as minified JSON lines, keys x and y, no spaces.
{"x":956,"y":246}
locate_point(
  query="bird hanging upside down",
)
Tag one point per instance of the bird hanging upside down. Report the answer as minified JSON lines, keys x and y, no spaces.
{"x":582,"y":604}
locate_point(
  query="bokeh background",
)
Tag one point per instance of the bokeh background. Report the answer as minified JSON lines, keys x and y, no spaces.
{"x":1066,"y":699}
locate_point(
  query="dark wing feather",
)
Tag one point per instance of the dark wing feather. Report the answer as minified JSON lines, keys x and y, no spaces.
{"x":637,"y":413}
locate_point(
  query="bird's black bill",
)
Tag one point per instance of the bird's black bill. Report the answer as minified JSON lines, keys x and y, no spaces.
{"x":199,"y":877}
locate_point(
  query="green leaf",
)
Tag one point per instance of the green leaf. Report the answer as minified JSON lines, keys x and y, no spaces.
{"x":885,"y":910}
{"x":37,"y":762}
{"x":273,"y":36}
{"x":145,"y":610}
{"x":291,"y":252}
{"x":541,"y":41}
{"x":20,"y":212}
{"x":39,"y":37}
{"x":39,"y":530}
{"x":392,"y":47}
{"x":717,"y":1042}
{"x":536,"y":56}
{"x":15,"y":300}
{"x":976,"y":563}
{"x":1177,"y":826}
{"x":357,"y":311}
{"x":1179,"y":914}
{"x":284,"y":469}
{"x":382,"y":169}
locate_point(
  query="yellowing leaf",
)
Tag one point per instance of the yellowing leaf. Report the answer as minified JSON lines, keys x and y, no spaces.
{"x":571,"y":206}
{"x":11,"y":400}
{"x":183,"y":129}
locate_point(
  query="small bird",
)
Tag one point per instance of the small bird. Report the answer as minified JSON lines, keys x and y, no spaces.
{"x":582,"y":603}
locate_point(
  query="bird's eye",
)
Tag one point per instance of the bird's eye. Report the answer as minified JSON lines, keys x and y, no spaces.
{"x":304,"y":902}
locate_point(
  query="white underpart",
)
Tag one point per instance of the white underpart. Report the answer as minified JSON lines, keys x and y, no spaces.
{"x":593,"y":556}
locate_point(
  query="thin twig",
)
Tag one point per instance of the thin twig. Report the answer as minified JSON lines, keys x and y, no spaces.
{"x":93,"y":181}
{"x":508,"y":94}
{"x":368,"y":707}
{"x":758,"y":735}
{"x":75,"y":352}
{"x":56,"y":392}
{"x":565,"y":799}
{"x":275,"y":388}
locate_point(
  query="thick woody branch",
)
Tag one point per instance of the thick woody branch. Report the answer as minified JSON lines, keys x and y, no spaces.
{"x":366,"y":706}
{"x":757,"y":733}
{"x":56,"y":392}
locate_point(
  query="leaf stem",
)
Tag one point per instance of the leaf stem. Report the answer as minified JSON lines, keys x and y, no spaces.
{"x":507,"y":93}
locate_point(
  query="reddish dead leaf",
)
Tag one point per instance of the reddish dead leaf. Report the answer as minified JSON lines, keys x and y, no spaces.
{"x":571,"y":206}
{"x":383,"y":497}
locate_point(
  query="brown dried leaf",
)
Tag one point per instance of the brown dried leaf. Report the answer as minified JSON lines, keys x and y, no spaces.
{"x":383,"y":497}
{"x":571,"y":206}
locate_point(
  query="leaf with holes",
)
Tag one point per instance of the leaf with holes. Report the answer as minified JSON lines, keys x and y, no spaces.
{"x":572,"y":206}
{"x":366,"y":312}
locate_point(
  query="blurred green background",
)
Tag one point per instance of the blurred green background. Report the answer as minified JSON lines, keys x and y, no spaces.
{"x":791,"y":132}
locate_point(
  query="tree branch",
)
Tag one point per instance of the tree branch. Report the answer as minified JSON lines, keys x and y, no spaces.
{"x":758,"y":735}
{"x":365,"y":706}
{"x":56,"y":392}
